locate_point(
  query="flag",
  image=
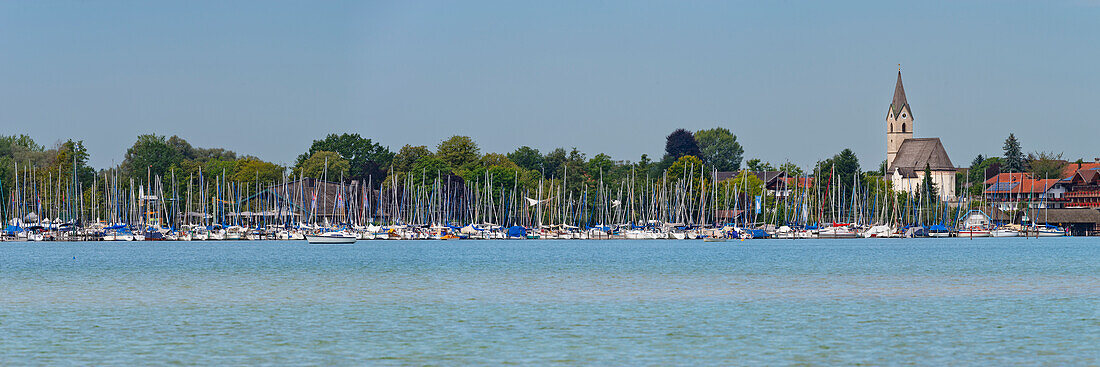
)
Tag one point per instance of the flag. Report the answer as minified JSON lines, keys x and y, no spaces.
{"x":757,"y":204}
{"x":313,"y":204}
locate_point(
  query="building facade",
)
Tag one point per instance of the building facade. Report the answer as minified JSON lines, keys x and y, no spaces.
{"x":908,"y":157}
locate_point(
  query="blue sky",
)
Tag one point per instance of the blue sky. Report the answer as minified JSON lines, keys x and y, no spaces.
{"x":794,"y":81}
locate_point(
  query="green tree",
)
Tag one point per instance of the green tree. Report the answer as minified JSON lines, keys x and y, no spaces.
{"x":150,"y":151}
{"x":428,"y":168}
{"x":408,"y":155}
{"x":553,"y":160}
{"x":365,"y":157}
{"x":838,"y":173}
{"x":252,"y":169}
{"x":527,"y":157}
{"x":686,"y":166}
{"x":1045,"y":164}
{"x":680,"y":143}
{"x":600,"y":163}
{"x":928,"y":188}
{"x":458,"y":150}
{"x":70,"y":153}
{"x":757,"y":165}
{"x":791,"y":169}
{"x":314,"y":166}
{"x":719,"y":148}
{"x":1014,"y":157}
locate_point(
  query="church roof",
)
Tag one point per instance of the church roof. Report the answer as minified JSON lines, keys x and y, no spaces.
{"x":899,"y":101}
{"x":915,"y":153}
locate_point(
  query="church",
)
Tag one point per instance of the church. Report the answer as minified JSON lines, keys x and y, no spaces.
{"x":906,"y":156}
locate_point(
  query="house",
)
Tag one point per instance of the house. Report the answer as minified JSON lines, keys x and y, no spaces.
{"x":1008,"y":190}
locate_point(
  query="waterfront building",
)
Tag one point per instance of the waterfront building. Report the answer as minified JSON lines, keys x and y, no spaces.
{"x":907,"y":157}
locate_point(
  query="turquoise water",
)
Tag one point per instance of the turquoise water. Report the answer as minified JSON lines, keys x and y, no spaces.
{"x":879,"y":302}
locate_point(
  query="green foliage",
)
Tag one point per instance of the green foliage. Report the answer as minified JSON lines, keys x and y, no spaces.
{"x":791,"y":169}
{"x":837,"y":174}
{"x":458,"y":150}
{"x":680,"y":143}
{"x":252,"y":169}
{"x":150,"y":154}
{"x":719,"y":148}
{"x":601,"y":163}
{"x":1045,"y":164}
{"x":527,"y":157}
{"x":686,"y":166}
{"x":426,"y":169}
{"x":72,"y":153}
{"x":408,"y":155}
{"x":314,"y":166}
{"x":552,"y":161}
{"x":757,"y":165}
{"x":1013,"y":157}
{"x":365,"y":157}
{"x":928,"y":188}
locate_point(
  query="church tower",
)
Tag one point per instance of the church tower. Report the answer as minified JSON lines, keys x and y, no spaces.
{"x":899,"y":123}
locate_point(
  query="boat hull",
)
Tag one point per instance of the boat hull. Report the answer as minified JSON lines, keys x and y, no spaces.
{"x":330,"y":240}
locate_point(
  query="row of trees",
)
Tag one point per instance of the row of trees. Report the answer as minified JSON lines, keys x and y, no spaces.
{"x":353,"y":157}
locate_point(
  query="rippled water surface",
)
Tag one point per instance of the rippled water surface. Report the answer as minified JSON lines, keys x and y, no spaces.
{"x":929,"y":302}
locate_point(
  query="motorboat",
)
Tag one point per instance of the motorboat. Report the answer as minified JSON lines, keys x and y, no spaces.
{"x":332,"y":238}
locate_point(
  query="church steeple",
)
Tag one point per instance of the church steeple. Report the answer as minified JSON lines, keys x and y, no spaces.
{"x":899,"y":102}
{"x":899,"y":122}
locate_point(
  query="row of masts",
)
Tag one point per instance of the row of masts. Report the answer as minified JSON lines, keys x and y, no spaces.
{"x":693,"y":197}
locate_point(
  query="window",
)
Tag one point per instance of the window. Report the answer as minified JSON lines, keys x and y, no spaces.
{"x":903,"y":127}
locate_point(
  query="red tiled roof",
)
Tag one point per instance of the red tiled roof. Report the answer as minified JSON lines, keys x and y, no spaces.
{"x":1008,"y":177}
{"x":1071,"y":168}
{"x":1024,"y":186}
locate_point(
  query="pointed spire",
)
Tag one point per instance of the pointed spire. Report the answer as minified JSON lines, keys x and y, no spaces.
{"x":899,"y":102}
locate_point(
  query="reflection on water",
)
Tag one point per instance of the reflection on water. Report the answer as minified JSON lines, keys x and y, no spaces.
{"x":570,"y":302}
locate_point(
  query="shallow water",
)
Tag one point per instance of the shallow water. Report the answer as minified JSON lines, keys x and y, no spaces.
{"x":934,"y":301}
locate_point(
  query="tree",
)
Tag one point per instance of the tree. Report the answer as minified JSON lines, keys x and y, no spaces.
{"x":458,"y":150}
{"x":408,"y":155}
{"x":552,"y":161}
{"x":1045,"y":164}
{"x":150,"y":151}
{"x":600,"y":163}
{"x":791,"y":169}
{"x":928,"y":189}
{"x":680,"y":143}
{"x":70,"y":153}
{"x":757,"y":165}
{"x":314,"y":166}
{"x":686,"y":166}
{"x":365,"y":157}
{"x":977,"y":161}
{"x":842,"y":168}
{"x":497,"y":159}
{"x":719,"y":148}
{"x":427,"y":168}
{"x":977,"y":175}
{"x":527,"y":157}
{"x":250,"y":169}
{"x":1014,"y":157}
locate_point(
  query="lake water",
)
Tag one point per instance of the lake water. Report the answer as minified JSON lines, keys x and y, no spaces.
{"x":779,"y":302}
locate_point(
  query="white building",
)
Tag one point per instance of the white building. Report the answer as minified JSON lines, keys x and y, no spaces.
{"x":907,"y":156}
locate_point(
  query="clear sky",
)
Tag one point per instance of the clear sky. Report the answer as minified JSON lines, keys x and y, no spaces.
{"x":793,"y":80}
